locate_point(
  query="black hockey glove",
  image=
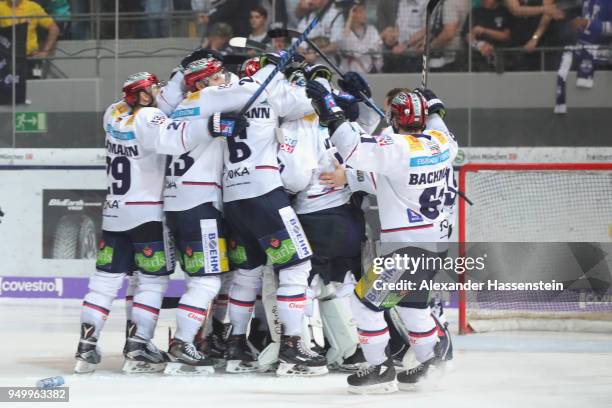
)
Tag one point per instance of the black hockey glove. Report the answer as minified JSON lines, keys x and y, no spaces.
{"x":434,"y":105}
{"x":226,"y":124}
{"x":318,"y":71}
{"x":330,"y":114}
{"x":348,"y":103}
{"x":354,"y":83}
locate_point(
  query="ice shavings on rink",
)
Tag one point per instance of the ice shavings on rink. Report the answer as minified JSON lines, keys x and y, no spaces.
{"x":490,"y":370}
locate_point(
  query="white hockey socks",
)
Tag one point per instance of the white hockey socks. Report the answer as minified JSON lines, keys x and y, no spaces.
{"x":103,"y":288}
{"x":193,"y":305}
{"x":242,"y":296}
{"x":373,"y":331}
{"x":422,"y":331}
{"x":129,"y":296}
{"x":148,"y":298}
{"x":291,"y":297}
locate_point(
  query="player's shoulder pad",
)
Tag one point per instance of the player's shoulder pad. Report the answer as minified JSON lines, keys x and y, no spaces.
{"x":119,"y":108}
{"x":193,"y":96}
{"x":441,"y":137}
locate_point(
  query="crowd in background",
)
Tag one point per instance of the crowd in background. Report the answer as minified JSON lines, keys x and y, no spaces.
{"x":367,"y":36}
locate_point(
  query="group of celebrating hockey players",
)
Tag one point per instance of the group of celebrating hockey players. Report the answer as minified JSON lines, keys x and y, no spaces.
{"x":263,"y":213}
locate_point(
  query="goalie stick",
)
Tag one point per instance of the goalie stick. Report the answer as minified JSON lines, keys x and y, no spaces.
{"x":431,"y":7}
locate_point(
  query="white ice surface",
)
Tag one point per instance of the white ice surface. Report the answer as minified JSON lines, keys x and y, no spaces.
{"x":521,"y":370}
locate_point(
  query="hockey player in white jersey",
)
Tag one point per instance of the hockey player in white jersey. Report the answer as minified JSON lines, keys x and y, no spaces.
{"x":263,"y":226}
{"x":410,"y":167}
{"x":133,"y":235}
{"x":333,"y":223}
{"x":192,"y":204}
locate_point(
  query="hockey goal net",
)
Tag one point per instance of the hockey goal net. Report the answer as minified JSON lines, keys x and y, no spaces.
{"x":549,"y":218}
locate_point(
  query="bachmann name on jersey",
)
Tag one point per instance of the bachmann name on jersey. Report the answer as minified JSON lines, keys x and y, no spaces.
{"x":411,"y":172}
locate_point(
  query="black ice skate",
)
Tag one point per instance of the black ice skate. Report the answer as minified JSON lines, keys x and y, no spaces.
{"x":353,"y":362}
{"x":409,"y":379}
{"x":240,"y":358}
{"x":87,"y":354}
{"x":141,"y":355}
{"x":214,"y":346}
{"x":257,"y":337}
{"x":374,"y":379}
{"x":298,"y":360}
{"x":185,"y":359}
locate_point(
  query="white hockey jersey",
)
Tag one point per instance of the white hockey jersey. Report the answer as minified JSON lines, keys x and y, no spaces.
{"x":306,"y":153}
{"x":251,"y":166}
{"x":411,"y":178}
{"x":135,"y":164}
{"x":194,"y":178}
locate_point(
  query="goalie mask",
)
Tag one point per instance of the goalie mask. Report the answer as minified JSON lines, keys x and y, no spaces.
{"x":206,"y":70}
{"x":137,"y":83}
{"x":407,"y":111}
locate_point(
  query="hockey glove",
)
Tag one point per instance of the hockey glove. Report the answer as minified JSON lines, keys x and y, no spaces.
{"x":318,"y":71}
{"x":348,"y":103}
{"x":226,"y":124}
{"x":354,"y":83}
{"x":434,"y":105}
{"x":330,"y":114}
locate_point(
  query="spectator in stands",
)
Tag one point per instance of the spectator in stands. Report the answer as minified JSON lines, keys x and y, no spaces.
{"x":446,"y":43}
{"x":59,"y":10}
{"x":361,"y":45}
{"x":292,"y":16}
{"x":310,"y":55}
{"x":27,"y":11}
{"x":392,"y":62}
{"x":236,"y":13}
{"x":159,"y":13}
{"x":330,"y":26}
{"x":218,"y":38}
{"x":529,"y":31}
{"x":408,"y":16}
{"x":277,"y":10}
{"x":259,"y":25}
{"x":80,"y":27}
{"x":490,"y":29}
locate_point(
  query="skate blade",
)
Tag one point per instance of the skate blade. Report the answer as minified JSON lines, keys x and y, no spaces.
{"x":219,"y":362}
{"x":296,"y":370}
{"x":141,"y":367}
{"x":351,"y":368}
{"x":383,"y":388}
{"x":238,"y":367}
{"x":430,"y":381}
{"x":83,"y":367}
{"x":185,"y":369}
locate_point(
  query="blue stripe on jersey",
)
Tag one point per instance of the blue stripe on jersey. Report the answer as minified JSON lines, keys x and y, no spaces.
{"x":181,"y":113}
{"x":120,"y":135}
{"x":430,"y":160}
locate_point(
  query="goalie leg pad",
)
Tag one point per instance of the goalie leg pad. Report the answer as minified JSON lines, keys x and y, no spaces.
{"x":340,"y":329}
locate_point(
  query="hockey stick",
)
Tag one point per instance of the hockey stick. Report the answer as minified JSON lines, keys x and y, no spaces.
{"x":431,"y":7}
{"x":281,"y":32}
{"x":243,"y":42}
{"x":286,"y":57}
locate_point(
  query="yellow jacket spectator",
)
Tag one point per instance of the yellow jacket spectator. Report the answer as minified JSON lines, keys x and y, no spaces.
{"x":27,"y":11}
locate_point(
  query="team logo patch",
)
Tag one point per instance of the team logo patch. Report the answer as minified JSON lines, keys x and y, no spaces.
{"x":383,"y":140}
{"x":189,"y":251}
{"x":147,"y":251}
{"x":275,"y":243}
{"x":102,"y":244}
{"x":212,"y":244}
{"x":157,"y":120}
{"x":233,"y":244}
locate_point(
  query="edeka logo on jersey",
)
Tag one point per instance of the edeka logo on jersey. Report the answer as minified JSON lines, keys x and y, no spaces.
{"x":31,"y":287}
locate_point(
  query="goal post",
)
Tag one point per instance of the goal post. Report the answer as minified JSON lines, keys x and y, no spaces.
{"x":541,"y":205}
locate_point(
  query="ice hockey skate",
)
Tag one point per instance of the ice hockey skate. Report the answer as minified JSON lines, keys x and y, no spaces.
{"x":87,"y":355}
{"x":374,"y":379}
{"x":185,"y":359}
{"x":298,"y":360}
